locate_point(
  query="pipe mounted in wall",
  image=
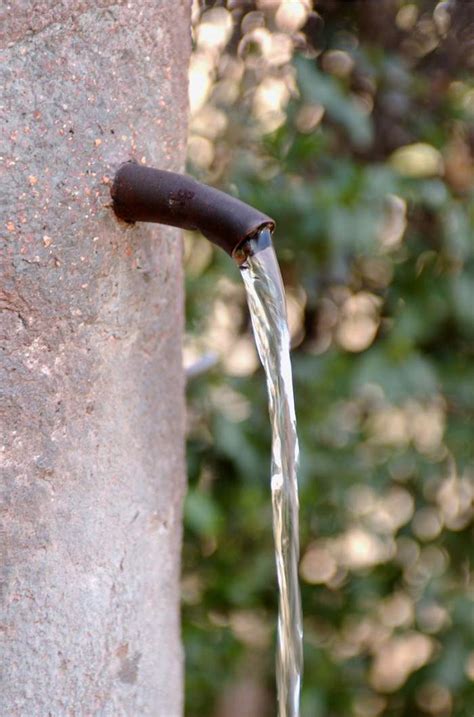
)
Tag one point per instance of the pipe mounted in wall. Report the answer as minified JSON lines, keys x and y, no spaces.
{"x":154,"y":195}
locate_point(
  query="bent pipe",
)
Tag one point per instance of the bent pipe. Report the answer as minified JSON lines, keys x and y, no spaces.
{"x":143,"y":194}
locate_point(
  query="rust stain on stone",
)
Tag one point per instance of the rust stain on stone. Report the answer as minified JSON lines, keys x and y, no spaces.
{"x":129,"y":669}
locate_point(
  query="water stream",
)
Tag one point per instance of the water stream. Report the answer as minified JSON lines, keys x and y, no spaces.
{"x":266,"y":301}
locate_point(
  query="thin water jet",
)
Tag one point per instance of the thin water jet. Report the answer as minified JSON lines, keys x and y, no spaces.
{"x":144,"y":194}
{"x":266,"y":301}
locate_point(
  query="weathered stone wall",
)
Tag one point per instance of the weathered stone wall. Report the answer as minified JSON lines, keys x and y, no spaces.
{"x":92,"y":407}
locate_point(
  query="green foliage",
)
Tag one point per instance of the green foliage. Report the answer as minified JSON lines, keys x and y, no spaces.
{"x":319,"y":88}
{"x":377,"y":255}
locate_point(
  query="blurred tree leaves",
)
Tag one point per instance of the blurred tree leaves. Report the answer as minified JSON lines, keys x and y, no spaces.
{"x":377,"y":254}
{"x":321,"y":89}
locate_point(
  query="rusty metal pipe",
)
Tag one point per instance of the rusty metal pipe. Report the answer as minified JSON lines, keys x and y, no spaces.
{"x":143,"y":194}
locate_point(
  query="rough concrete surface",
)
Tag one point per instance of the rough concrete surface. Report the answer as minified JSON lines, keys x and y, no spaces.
{"x":92,"y":388}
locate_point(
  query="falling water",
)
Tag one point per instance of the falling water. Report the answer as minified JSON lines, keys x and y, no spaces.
{"x":266,"y":301}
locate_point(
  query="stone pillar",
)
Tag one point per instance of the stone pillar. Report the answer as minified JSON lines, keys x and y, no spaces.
{"x":91,"y":322}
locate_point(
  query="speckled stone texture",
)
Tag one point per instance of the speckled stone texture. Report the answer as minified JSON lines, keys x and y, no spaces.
{"x":92,"y":406}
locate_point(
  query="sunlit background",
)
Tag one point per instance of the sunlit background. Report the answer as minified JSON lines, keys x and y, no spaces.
{"x":352,"y":124}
